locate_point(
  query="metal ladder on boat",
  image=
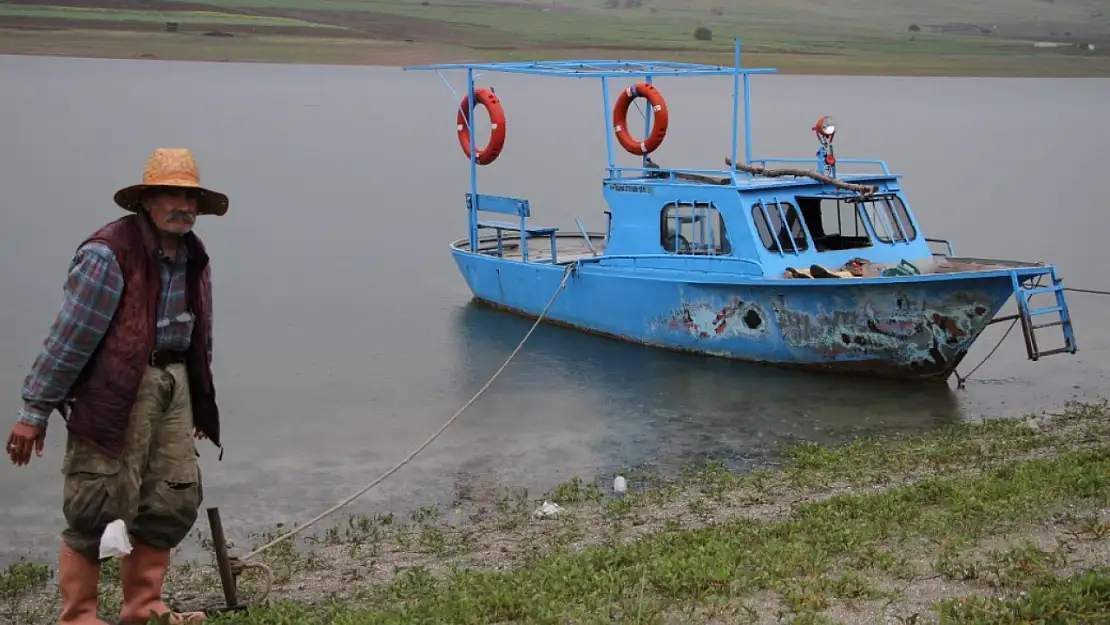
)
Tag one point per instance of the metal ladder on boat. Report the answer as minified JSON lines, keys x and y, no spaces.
{"x":1026,"y":313}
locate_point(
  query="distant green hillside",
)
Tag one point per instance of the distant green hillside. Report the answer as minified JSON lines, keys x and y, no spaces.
{"x":947,"y":37}
{"x":818,"y":26}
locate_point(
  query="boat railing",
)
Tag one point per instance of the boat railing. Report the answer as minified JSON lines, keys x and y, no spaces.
{"x":721,"y":176}
{"x":946,"y":242}
{"x":713,"y":176}
{"x":762,"y":162}
{"x":670,"y":257}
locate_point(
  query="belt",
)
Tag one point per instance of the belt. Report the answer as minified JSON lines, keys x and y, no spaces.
{"x":162,"y":358}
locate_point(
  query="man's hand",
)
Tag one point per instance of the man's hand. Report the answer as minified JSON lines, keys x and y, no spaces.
{"x":22,"y":439}
{"x":200,"y":436}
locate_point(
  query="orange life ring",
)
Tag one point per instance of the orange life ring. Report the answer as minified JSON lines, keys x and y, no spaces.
{"x":486,"y":98}
{"x":660,"y":116}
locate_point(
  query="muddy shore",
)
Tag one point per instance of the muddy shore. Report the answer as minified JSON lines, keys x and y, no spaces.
{"x":973,"y":523}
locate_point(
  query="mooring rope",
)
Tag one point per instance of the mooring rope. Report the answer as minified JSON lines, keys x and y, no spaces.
{"x":960,"y":380}
{"x":1093,"y":291}
{"x":243,"y":562}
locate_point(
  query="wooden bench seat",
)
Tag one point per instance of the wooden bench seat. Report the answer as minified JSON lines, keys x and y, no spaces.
{"x":511,"y":206}
{"x":505,"y":225}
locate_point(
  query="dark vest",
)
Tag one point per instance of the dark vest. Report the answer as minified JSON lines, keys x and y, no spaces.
{"x":100,"y":402}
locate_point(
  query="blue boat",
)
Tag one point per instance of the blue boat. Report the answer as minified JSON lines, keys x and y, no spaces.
{"x":788,"y":266}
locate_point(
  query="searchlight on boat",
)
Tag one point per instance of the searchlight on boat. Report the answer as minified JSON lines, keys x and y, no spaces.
{"x":825,"y":129}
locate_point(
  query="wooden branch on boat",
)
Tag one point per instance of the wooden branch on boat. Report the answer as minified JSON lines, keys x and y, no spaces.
{"x":863,"y":190}
{"x":756,"y":170}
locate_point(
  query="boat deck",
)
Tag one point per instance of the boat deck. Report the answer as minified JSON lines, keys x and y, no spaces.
{"x":931,"y":266}
{"x":960,"y":264}
{"x":569,"y":246}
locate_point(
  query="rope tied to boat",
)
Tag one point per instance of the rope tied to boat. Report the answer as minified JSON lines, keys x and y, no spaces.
{"x":1092,"y":291}
{"x":962,"y":379}
{"x":238,"y":565}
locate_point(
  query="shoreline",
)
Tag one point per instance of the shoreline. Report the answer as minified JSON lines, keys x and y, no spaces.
{"x":296,"y":49}
{"x":968,"y":521}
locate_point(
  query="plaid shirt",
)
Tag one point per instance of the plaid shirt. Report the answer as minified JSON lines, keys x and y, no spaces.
{"x":92,"y":293}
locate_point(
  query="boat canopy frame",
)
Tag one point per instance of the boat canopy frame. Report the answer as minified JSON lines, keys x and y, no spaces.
{"x":605,"y":70}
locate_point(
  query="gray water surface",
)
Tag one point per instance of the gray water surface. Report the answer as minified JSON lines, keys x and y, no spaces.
{"x":345,"y":336}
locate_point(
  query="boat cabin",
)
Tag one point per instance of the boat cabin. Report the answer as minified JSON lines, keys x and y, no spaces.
{"x":775,"y":224}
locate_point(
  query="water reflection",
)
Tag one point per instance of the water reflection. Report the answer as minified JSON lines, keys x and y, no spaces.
{"x":664,"y":409}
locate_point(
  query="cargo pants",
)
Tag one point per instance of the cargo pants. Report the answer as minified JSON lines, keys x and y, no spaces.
{"x":154,"y":486}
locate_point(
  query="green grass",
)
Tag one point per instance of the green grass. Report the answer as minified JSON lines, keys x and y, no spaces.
{"x":1080,"y":598}
{"x":806,"y":560}
{"x":185,"y":17}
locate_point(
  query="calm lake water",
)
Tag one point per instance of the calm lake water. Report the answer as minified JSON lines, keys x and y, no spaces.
{"x":345,"y":336}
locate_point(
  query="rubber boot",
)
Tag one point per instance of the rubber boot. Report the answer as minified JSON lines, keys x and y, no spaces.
{"x":78,"y":578}
{"x":142,"y":573}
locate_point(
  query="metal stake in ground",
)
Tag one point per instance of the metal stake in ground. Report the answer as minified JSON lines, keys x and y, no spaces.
{"x":223,"y":563}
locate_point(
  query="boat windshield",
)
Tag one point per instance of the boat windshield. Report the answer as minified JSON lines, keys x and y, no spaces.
{"x":840,"y":223}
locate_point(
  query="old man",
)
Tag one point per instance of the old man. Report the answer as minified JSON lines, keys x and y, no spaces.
{"x":127,"y":363}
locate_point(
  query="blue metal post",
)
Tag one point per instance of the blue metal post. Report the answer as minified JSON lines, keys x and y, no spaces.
{"x":747,"y":121}
{"x":647,"y":126}
{"x":736,"y":100}
{"x":608,"y":124}
{"x":473,"y":217}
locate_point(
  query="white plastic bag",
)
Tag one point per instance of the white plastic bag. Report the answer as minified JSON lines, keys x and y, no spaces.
{"x":547,"y":510}
{"x":620,"y":484}
{"x":115,"y":542}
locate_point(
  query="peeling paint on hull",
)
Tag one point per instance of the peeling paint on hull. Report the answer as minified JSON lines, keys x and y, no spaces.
{"x":919,"y":330}
{"x":703,"y":320}
{"x":889,"y":327}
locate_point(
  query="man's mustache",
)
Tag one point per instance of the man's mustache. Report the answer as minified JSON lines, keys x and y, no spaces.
{"x":180,"y":216}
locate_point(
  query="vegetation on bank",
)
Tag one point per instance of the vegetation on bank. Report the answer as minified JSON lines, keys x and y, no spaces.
{"x":868,"y":37}
{"x":212,"y":18}
{"x":990,"y":522}
{"x":325,"y":50}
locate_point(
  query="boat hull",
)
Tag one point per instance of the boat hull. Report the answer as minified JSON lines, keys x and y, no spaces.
{"x":910,"y":329}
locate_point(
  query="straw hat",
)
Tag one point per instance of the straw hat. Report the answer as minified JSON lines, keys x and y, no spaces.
{"x":172,"y":167}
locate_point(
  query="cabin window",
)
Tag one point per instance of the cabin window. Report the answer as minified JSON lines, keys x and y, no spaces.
{"x":889,"y":218}
{"x":693,"y":228}
{"x":768,"y":218}
{"x":834,"y":223}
